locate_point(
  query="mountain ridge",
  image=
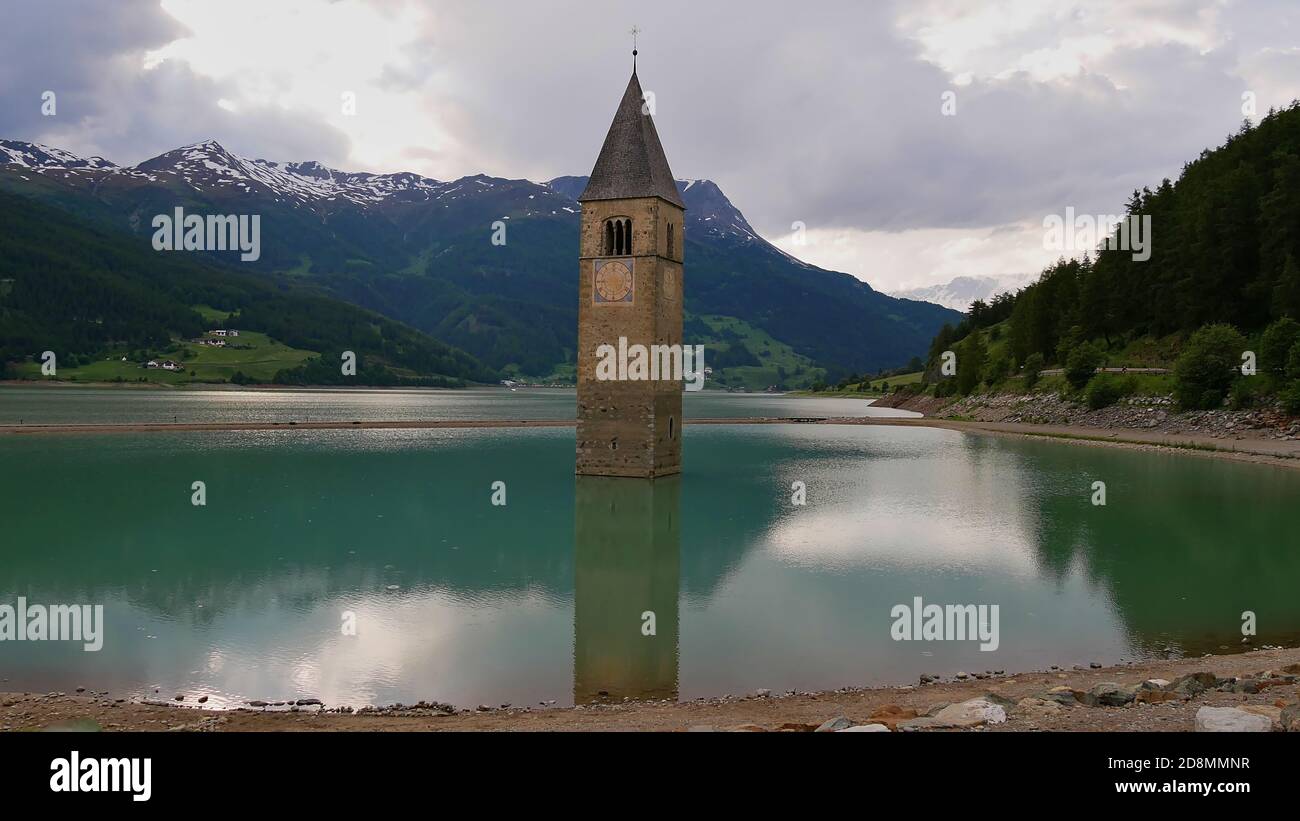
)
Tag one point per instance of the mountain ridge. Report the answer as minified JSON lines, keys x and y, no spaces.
{"x":418,"y":250}
{"x":959,"y":292}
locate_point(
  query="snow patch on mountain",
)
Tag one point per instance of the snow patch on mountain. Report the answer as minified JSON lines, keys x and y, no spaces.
{"x":208,"y":164}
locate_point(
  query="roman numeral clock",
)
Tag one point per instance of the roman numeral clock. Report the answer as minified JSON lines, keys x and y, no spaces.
{"x":613,"y":281}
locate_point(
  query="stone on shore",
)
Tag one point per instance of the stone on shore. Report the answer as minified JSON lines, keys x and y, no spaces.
{"x":1272,"y":713}
{"x":972,"y":713}
{"x":1193,"y":684}
{"x":1108,"y":694}
{"x":865,"y":728}
{"x":1039,"y":707}
{"x":833,"y":724}
{"x":1065,"y":696}
{"x":1230,"y":720}
{"x":1290,"y":717}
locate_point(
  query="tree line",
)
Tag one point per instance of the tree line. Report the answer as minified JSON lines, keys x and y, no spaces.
{"x":1224,"y":272}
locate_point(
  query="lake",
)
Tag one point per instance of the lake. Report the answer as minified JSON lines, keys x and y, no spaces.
{"x":89,"y":405}
{"x":552,"y":595}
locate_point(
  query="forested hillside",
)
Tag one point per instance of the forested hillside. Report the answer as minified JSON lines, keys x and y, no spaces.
{"x":77,"y":290}
{"x":1225,"y":251}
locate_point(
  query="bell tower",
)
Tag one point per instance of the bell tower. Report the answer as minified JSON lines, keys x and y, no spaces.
{"x":629,"y":294}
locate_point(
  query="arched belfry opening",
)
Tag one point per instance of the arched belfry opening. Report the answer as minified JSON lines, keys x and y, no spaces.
{"x":618,"y":237}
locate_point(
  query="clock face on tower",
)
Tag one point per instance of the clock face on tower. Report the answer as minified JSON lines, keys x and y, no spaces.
{"x":613,"y":281}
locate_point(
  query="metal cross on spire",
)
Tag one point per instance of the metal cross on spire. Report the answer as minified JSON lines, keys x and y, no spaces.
{"x":634,"y":32}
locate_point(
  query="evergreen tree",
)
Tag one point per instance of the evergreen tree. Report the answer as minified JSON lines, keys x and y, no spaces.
{"x":971,"y":358}
{"x":1081,"y":363}
{"x":1207,"y":367}
{"x":1275,"y":345}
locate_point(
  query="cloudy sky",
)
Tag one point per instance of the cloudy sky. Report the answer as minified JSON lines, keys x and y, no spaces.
{"x":825,"y":113}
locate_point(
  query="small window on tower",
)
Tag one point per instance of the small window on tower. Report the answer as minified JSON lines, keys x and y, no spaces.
{"x":608,"y":247}
{"x":670,"y":241}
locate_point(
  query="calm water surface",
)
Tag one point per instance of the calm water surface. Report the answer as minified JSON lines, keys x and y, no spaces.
{"x":88,"y":405}
{"x":545,"y":598}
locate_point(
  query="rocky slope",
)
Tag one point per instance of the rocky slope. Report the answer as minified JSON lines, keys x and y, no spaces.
{"x":1147,"y":413}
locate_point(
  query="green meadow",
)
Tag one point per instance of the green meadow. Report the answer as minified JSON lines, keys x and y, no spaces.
{"x":253,"y":354}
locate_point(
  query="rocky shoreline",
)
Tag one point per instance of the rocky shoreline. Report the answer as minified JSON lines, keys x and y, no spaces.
{"x":1257,"y":691}
{"x":1138,"y":413}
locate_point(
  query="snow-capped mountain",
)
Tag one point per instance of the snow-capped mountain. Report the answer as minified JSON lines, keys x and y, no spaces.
{"x":41,"y":157}
{"x":960,"y":292}
{"x":369,"y":211}
{"x":210,"y":168}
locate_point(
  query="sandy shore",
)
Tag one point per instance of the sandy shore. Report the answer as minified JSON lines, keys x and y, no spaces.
{"x":20,"y":711}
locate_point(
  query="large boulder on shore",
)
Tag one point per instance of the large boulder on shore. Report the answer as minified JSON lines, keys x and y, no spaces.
{"x":1230,"y":720}
{"x":970,"y":713}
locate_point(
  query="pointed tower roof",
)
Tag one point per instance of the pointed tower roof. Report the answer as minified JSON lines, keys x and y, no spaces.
{"x":632,"y":162}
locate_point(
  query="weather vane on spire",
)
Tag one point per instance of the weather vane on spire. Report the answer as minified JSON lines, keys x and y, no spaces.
{"x":634,"y":32}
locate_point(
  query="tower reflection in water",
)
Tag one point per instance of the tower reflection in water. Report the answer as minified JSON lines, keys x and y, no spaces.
{"x":627,"y":559}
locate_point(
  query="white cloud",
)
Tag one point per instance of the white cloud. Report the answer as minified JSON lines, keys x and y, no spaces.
{"x":303,"y":58}
{"x":901,"y":260}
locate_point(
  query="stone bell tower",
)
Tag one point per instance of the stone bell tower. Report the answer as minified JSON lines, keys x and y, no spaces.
{"x":630,"y":288}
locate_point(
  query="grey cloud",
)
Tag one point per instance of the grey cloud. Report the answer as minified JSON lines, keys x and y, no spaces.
{"x":91,"y":54}
{"x":821,"y":112}
{"x":827,"y":115}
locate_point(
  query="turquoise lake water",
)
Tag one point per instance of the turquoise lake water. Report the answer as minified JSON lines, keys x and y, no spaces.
{"x":545,"y":598}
